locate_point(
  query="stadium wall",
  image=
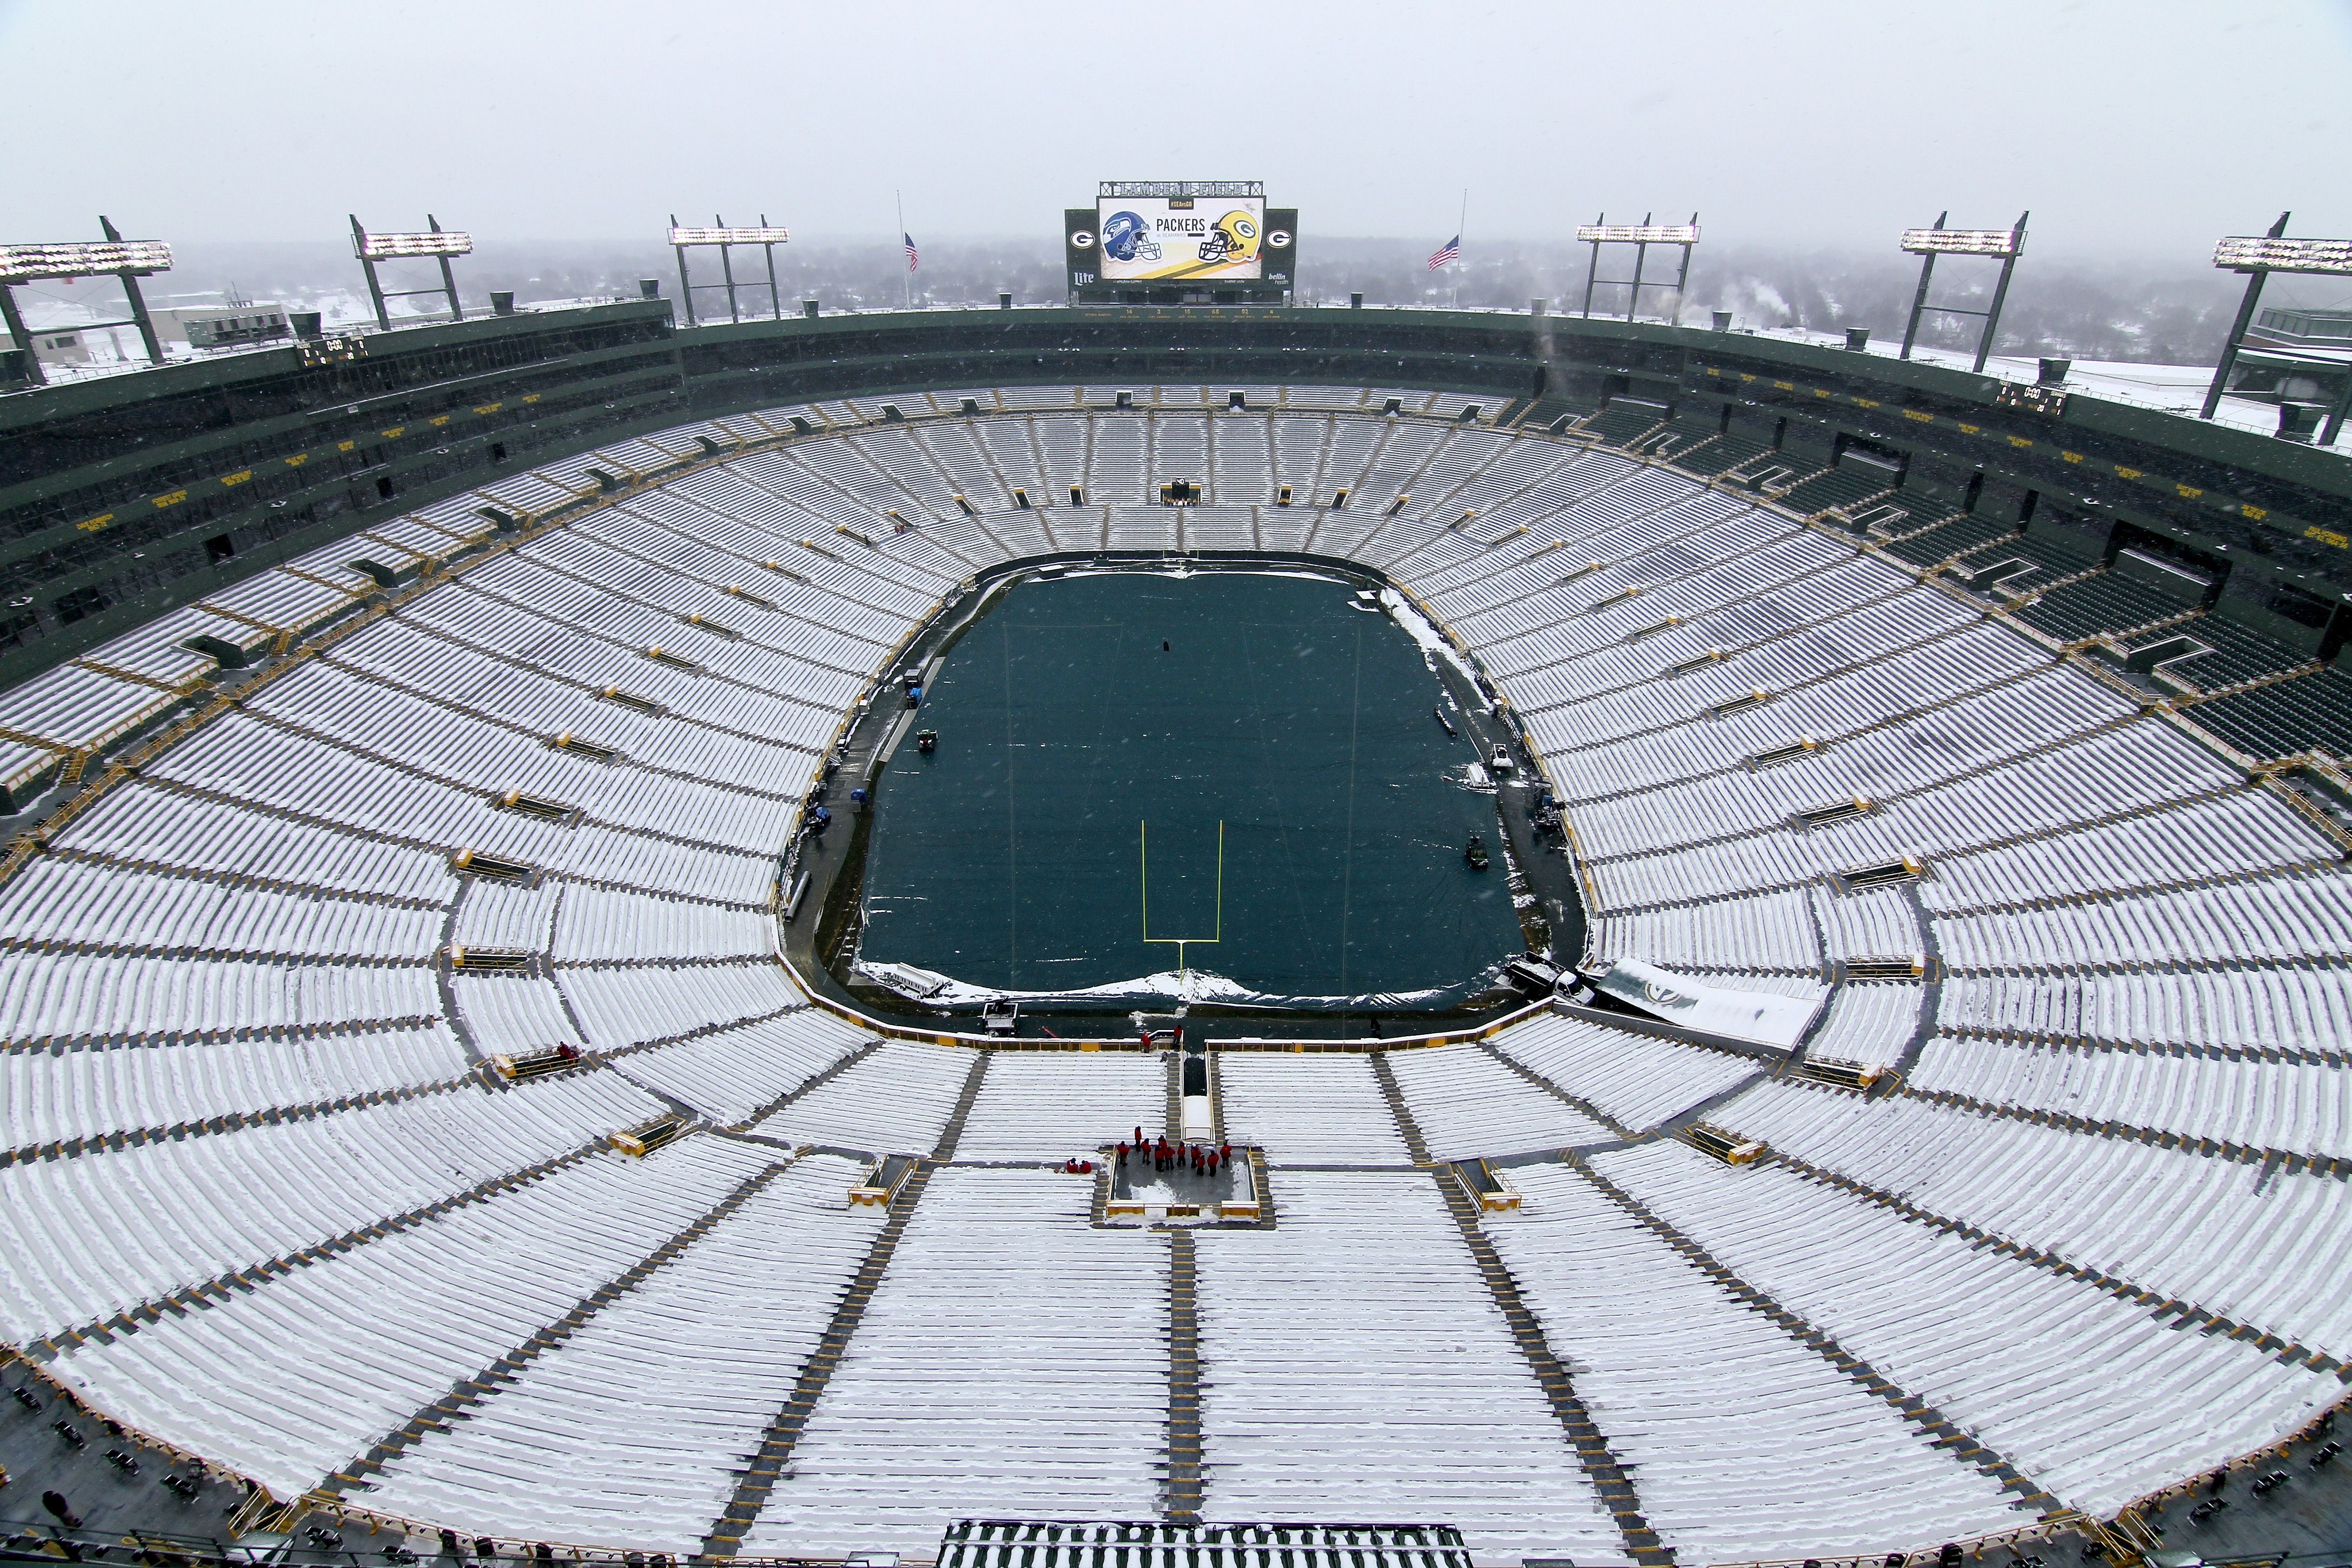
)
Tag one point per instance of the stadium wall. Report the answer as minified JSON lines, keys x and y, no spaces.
{"x":124,"y":497}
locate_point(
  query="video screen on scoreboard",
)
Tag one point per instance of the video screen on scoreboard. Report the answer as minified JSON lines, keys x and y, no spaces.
{"x":1180,"y":237}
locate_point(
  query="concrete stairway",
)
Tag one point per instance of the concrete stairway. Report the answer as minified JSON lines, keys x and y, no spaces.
{"x":457,"y":1404}
{"x":1216,"y":1101}
{"x":1601,"y":1464}
{"x":1921,"y":1415}
{"x":556,"y":678}
{"x":825,"y":1077}
{"x":1265,"y":1215}
{"x":204,"y":1293}
{"x":1575,"y":1103}
{"x":281,"y":719}
{"x":242,"y":880}
{"x":1407,"y":1128}
{"x":775,"y":1451}
{"x":952,"y":1133}
{"x":2213,"y":1149}
{"x":133,"y":1038}
{"x":229,"y":1121}
{"x":1184,"y":1497}
{"x":2189,"y":1313}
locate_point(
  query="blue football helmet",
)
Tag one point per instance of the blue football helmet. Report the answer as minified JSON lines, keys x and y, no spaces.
{"x":1128,"y":239}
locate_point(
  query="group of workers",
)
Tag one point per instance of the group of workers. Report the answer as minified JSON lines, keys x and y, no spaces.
{"x":1205,"y":1160}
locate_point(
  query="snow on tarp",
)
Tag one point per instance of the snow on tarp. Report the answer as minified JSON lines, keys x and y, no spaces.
{"x":1757,"y":1017}
{"x":1435,"y":644}
{"x":907,"y":979}
{"x":1201,"y":985}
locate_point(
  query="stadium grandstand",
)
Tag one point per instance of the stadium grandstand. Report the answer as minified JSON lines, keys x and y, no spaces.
{"x":426,"y":1135}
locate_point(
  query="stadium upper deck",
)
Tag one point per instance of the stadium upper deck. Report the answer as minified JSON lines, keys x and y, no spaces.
{"x":126,"y":496}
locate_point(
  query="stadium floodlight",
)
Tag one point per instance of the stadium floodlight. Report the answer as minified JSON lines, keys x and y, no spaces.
{"x":73,"y":258}
{"x":2259,"y":256}
{"x":113,"y":257}
{"x":436,"y":242}
{"x":2003,"y":244}
{"x":1637,"y":233}
{"x":2331,"y":258}
{"x":1640,"y":237}
{"x":678,"y":236}
{"x":1963,"y":241}
{"x":721,"y":235}
{"x":393,"y":246}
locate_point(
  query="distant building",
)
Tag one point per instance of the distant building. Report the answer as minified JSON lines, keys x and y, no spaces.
{"x":61,"y":346}
{"x":234,"y":326}
{"x":2295,"y":355}
{"x":2300,"y":329}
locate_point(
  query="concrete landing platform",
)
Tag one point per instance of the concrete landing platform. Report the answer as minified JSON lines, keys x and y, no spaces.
{"x":1140,"y":1195}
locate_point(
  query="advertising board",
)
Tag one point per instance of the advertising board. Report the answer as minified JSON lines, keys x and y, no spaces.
{"x":1181,"y":237}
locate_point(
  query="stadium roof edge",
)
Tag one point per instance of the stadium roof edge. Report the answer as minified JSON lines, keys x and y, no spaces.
{"x":34,"y":404}
{"x":2292,"y":461}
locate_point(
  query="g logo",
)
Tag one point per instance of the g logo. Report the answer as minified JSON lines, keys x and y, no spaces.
{"x":1082,"y":237}
{"x":1278,"y":238}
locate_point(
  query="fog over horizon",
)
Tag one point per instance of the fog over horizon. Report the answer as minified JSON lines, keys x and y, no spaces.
{"x":1805,"y":137}
{"x":2138,"y":130}
{"x":2105,"y":311}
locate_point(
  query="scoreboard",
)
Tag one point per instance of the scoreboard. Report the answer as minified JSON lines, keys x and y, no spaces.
{"x":1180,"y":242}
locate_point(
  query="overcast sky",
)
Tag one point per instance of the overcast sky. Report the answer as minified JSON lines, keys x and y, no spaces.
{"x":2143,"y":127}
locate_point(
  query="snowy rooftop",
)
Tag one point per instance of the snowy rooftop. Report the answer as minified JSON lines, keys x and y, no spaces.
{"x":2173,"y":388}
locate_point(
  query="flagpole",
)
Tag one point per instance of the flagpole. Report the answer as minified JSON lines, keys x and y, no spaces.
{"x":901,"y":196}
{"x":1458,"y":222}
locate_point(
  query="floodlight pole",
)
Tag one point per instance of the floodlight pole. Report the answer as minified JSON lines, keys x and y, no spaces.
{"x":775,"y":298}
{"x":1641,"y":255}
{"x":685,"y":284}
{"x":727,"y":269}
{"x":448,"y":278}
{"x":2336,"y":414}
{"x":1682,"y":279}
{"x":2255,"y":278}
{"x":2000,"y":291}
{"x":1919,"y":299}
{"x":367,"y":264}
{"x":146,"y":323}
{"x":23,"y":339}
{"x":1592,"y":272}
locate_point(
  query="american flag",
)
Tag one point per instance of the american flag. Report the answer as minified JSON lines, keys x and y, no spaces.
{"x":910,"y":241}
{"x":1450,"y":251}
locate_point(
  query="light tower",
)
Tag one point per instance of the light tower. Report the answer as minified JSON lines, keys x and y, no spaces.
{"x":1930,"y":243}
{"x":128,"y":259}
{"x":682,"y":238}
{"x":435,"y":242}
